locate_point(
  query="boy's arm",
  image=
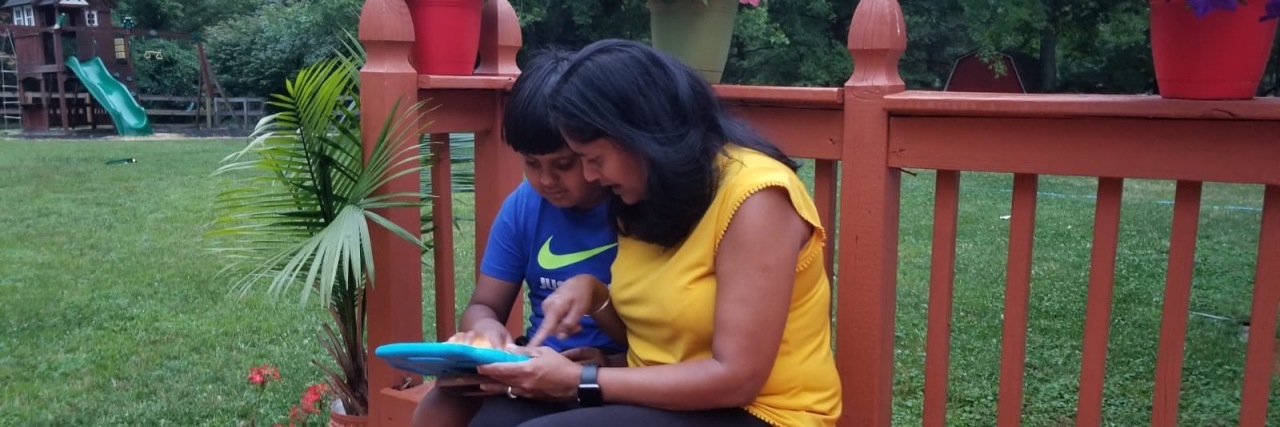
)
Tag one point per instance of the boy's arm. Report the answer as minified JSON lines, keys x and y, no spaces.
{"x":618,"y":360}
{"x":488,"y":310}
{"x":594,"y":355}
{"x":501,"y":272}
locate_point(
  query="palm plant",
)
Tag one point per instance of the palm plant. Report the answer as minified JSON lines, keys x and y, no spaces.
{"x":460,"y":148}
{"x":304,"y":201}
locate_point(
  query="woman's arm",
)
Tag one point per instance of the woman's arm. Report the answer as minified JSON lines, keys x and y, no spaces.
{"x":753,"y":295}
{"x":581,"y":295}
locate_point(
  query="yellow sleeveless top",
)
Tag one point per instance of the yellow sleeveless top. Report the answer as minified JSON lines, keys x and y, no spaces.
{"x":667,"y":298}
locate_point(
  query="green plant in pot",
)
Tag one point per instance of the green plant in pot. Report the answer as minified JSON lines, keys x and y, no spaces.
{"x":302,"y":202}
{"x":1211,"y":49}
{"x":698,"y":32}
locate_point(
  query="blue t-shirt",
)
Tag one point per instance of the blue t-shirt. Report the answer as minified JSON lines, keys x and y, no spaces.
{"x":535,"y":242}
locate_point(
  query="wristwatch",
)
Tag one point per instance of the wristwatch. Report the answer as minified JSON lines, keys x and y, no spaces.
{"x":589,"y":394}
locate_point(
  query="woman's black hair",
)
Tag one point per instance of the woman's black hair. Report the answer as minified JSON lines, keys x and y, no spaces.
{"x":659,"y":109}
{"x":526,"y":124}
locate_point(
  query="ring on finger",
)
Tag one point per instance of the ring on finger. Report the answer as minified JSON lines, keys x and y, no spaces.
{"x":510,"y":393}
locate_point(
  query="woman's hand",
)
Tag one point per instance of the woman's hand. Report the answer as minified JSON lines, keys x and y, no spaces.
{"x":546,"y":376}
{"x":562,"y":311}
{"x":485,"y":333}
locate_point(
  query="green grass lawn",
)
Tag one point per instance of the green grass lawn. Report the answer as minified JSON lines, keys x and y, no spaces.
{"x":112,"y":314}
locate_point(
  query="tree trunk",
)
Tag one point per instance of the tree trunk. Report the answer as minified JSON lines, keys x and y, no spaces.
{"x":1049,"y":48}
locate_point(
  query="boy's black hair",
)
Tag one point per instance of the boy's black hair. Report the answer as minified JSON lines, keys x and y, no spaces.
{"x":526,"y":124}
{"x":658,"y":108}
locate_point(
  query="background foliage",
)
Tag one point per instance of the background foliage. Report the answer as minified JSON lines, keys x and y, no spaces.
{"x":1086,"y":46}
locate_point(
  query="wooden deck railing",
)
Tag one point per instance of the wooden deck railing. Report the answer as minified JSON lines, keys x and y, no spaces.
{"x":869,"y":130}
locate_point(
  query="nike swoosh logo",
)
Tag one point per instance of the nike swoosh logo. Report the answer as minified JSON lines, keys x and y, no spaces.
{"x":551,"y":261}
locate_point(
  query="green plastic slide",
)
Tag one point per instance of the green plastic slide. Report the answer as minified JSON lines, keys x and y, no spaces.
{"x":129,"y":117}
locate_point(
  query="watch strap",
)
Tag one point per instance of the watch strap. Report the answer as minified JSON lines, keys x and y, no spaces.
{"x":589,"y":394}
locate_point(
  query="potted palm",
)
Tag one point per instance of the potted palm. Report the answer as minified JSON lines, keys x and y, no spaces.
{"x":298,"y":213}
{"x":1211,"y":49}
{"x":698,"y":32}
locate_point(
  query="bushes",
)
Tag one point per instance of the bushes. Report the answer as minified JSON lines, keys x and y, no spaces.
{"x":176,"y":73}
{"x":254,"y":55}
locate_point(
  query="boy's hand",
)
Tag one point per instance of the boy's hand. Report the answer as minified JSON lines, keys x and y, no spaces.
{"x":585,"y":355}
{"x":486,"y":333}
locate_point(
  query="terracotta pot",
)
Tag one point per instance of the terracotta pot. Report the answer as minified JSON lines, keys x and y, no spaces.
{"x":699,"y":34}
{"x":446,"y":35}
{"x":1220,"y":56}
{"x":339,"y":418}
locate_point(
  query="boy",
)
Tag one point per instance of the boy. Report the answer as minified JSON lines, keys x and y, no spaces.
{"x":554,"y":226}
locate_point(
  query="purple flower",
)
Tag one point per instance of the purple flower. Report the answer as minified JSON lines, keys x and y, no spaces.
{"x":1273,"y":10}
{"x":1203,"y":7}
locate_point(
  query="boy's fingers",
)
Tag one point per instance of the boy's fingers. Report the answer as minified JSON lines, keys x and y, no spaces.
{"x":573,"y":353}
{"x":498,"y":340}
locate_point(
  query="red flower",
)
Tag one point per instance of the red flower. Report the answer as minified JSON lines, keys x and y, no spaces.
{"x":261,"y":375}
{"x":256,"y":378}
{"x":316,"y":391}
{"x":313,"y":395}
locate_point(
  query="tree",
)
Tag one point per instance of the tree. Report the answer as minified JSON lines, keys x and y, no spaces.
{"x":1095,"y":34}
{"x":572,"y":24}
{"x":936,"y":37}
{"x":255,"y":55}
{"x":183,"y":15}
{"x":790,"y":43}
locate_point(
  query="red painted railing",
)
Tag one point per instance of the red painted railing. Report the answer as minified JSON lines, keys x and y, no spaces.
{"x":869,"y":130}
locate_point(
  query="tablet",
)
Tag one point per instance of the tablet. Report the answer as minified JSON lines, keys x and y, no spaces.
{"x":437,"y":359}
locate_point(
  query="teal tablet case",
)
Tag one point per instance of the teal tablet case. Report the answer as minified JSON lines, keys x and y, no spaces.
{"x":442,"y":359}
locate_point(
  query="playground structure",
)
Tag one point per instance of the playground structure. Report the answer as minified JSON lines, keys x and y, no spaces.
{"x":64,"y":65}
{"x":861,"y":137}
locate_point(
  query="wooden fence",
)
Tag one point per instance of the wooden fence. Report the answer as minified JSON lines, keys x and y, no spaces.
{"x":241,"y":112}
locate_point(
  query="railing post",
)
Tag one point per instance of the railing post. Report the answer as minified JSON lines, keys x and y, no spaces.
{"x":498,"y":168}
{"x":500,"y":39}
{"x":868,"y":235}
{"x":394,"y":302}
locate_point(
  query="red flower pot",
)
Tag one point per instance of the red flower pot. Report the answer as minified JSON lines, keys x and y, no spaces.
{"x":339,"y":418}
{"x":446,"y":35}
{"x":1220,"y":56}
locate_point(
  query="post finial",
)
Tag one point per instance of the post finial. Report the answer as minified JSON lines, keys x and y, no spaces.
{"x":500,"y":39}
{"x":385,"y":21}
{"x":877,"y":38}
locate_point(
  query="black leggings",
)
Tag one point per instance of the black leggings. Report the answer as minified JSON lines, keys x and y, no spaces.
{"x":507,"y":412}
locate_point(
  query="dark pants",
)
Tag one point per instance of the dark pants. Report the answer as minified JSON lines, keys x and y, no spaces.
{"x":506,"y":412}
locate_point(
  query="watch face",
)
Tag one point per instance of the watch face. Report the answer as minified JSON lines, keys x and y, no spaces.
{"x":589,"y":395}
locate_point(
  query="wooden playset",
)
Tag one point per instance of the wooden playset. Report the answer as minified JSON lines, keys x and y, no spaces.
{"x":64,"y":65}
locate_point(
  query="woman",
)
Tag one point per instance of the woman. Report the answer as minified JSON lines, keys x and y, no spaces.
{"x":553,"y":227}
{"x":719,"y":278}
